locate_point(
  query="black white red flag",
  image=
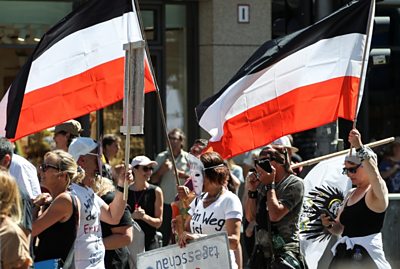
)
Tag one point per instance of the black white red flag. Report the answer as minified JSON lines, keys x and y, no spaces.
{"x":77,"y":67}
{"x":291,"y":84}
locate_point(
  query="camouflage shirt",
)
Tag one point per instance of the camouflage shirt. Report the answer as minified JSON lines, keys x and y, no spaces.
{"x":290,"y":192}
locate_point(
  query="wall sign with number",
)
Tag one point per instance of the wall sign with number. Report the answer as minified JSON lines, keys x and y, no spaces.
{"x":243,"y":13}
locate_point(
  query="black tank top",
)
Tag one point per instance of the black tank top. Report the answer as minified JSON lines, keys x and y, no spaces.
{"x":359,"y":220}
{"x":56,"y":241}
{"x":146,"y":200}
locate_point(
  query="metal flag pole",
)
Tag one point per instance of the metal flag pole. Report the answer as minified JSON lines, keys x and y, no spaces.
{"x":162,"y":114}
{"x":133,"y":97}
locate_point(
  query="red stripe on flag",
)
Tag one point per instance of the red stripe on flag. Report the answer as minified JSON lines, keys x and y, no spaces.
{"x":75,"y":96}
{"x":298,"y":110}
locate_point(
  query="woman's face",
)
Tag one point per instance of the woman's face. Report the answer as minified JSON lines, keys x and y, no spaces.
{"x":210,"y":186}
{"x":355,"y":172}
{"x":143,"y":172}
{"x":49,"y":173}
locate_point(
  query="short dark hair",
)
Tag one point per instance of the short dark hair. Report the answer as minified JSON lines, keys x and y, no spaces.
{"x":5,"y":147}
{"x":108,"y":139}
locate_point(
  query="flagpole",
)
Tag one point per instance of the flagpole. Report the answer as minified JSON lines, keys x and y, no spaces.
{"x":370,"y":27}
{"x":346,"y":151}
{"x":162,"y":114}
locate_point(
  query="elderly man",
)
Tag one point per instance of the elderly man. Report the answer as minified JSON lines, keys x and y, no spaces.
{"x":164,"y":176}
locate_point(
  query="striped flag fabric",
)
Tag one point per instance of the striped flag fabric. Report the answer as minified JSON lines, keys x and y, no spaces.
{"x":291,"y":84}
{"x":77,"y":67}
{"x":324,"y":187}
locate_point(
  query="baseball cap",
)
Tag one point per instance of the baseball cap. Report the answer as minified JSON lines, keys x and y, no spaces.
{"x":143,"y":161}
{"x":81,"y":146}
{"x":284,"y":141}
{"x":354,"y":158}
{"x":72,"y":126}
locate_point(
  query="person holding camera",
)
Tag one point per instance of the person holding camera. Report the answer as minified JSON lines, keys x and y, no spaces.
{"x":275,"y":199}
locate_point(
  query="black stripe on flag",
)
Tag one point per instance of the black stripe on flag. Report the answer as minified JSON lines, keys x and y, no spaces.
{"x":89,"y":14}
{"x":352,"y":18}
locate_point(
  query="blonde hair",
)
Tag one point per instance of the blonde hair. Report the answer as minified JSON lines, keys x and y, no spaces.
{"x":10,"y":198}
{"x":103,"y":185}
{"x":66,"y":163}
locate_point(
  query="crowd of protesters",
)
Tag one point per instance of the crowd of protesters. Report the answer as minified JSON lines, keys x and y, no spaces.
{"x":78,"y":215}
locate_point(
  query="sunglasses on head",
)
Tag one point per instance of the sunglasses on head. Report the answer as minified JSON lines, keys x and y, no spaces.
{"x":351,"y":170}
{"x":147,"y":168}
{"x":45,"y":166}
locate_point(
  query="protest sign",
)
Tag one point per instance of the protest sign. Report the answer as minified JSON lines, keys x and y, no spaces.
{"x":211,"y":251}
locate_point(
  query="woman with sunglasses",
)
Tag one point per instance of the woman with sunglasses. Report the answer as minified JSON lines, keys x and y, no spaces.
{"x":360,"y":220}
{"x":217,"y":204}
{"x":60,"y":211}
{"x":146,"y":200}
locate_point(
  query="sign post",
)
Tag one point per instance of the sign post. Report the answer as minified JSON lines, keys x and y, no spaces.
{"x":133,"y":97}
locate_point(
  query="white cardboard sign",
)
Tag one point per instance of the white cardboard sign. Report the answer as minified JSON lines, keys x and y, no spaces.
{"x":207,"y":252}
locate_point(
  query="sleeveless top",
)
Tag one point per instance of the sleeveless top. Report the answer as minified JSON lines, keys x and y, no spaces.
{"x":49,"y":240}
{"x":358,"y":220}
{"x":146,"y":200}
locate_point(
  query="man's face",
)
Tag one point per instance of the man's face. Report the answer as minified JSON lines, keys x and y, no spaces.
{"x":113,"y":149}
{"x":90,"y":164}
{"x":61,"y":140}
{"x":176,"y":141}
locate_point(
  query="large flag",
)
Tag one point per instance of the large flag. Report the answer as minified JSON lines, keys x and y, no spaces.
{"x":324,"y":187}
{"x":77,"y":67}
{"x":291,"y":84}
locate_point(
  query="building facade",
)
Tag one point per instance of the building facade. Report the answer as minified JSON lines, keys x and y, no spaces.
{"x":197,"y":46}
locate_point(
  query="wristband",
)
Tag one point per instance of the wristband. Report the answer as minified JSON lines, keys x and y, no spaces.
{"x":270,"y":186}
{"x":252,"y":194}
{"x":119,"y":188}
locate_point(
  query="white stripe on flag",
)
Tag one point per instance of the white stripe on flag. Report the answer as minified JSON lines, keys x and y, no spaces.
{"x":83,"y":50}
{"x":324,"y":60}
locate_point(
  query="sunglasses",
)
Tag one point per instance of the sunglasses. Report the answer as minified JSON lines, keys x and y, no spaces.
{"x":45,"y":166}
{"x":147,"y":168}
{"x":351,"y":170}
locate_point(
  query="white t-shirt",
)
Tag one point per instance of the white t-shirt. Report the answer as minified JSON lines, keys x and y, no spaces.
{"x":25,"y":174}
{"x":212,"y":219}
{"x":89,"y":247}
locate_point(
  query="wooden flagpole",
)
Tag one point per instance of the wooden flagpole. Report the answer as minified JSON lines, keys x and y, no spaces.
{"x":346,"y":151}
{"x":370,"y":27}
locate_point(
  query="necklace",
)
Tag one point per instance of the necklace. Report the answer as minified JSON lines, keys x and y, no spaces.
{"x":137,"y":201}
{"x":209,"y":200}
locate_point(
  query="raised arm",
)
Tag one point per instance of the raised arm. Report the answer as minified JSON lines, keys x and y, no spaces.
{"x":377,"y":198}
